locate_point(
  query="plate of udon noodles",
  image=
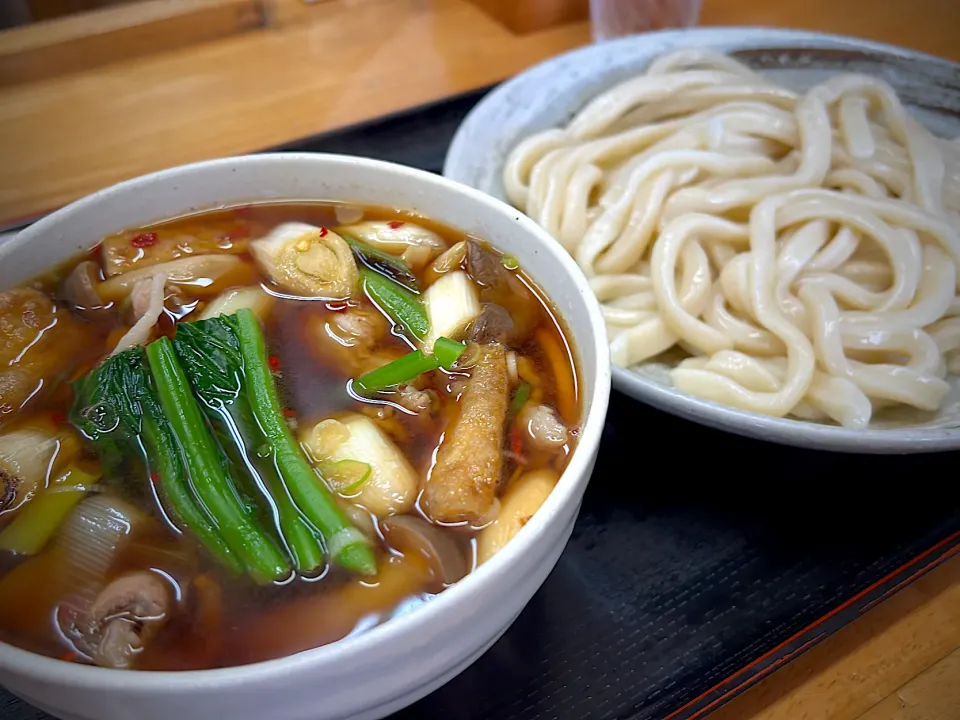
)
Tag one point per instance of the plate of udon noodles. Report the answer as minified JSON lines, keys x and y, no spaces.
{"x":770,"y":220}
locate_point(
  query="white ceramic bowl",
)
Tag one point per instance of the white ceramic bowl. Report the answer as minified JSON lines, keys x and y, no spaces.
{"x":548,"y":95}
{"x":376,"y":673}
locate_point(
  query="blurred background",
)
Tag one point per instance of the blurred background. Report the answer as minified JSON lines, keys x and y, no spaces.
{"x":21,"y":12}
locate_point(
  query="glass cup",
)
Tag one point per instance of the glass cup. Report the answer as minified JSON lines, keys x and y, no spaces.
{"x":615,"y":18}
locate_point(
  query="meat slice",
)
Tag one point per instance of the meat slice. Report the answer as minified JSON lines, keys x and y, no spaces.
{"x":39,"y":344}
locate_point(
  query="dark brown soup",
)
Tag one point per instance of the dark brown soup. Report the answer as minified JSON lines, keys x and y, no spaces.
{"x":246,"y":433}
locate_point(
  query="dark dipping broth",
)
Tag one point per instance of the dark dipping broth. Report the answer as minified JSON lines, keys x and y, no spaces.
{"x":260,"y":532}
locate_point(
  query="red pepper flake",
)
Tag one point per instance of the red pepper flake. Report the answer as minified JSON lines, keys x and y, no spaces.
{"x":154,"y":478}
{"x":287,"y":412}
{"x":516,"y":442}
{"x":58,"y":418}
{"x":274,"y":362}
{"x":323,"y":231}
{"x":575,"y":430}
{"x":144,"y":240}
{"x":337,"y":306}
{"x":394,"y":224}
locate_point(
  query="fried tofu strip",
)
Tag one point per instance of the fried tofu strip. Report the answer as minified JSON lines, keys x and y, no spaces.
{"x":464,"y":480}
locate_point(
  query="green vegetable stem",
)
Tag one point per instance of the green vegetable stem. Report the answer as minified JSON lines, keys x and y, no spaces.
{"x":447,"y":351}
{"x":209,"y":352}
{"x":401,"y":305}
{"x":408,"y":367}
{"x":520,"y":398}
{"x":207,"y":468}
{"x":346,"y":545}
{"x":382,"y":262}
{"x":116,"y":408}
{"x":400,"y":371}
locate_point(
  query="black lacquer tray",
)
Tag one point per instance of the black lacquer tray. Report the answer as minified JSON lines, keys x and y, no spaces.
{"x":701,"y":561}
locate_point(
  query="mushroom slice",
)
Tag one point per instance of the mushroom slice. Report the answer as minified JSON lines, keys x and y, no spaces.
{"x":411,"y":534}
{"x":307,"y":260}
{"x":493,"y":324}
{"x":79,"y":289}
{"x":415,"y":244}
{"x":125,"y":616}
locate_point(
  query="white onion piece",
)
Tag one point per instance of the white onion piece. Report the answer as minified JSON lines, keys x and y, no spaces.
{"x":348,"y":214}
{"x":392,"y":485}
{"x":196,"y":272}
{"x":255,"y":298}
{"x":91,"y":539}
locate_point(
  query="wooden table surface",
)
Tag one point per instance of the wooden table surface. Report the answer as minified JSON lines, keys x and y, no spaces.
{"x":337,"y":64}
{"x":314,"y":69}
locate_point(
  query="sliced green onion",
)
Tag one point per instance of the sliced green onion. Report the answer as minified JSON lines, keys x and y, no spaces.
{"x":520,"y":398}
{"x":403,"y":307}
{"x":447,"y":351}
{"x":344,"y":476}
{"x":382,"y":262}
{"x":510,"y":262}
{"x":402,"y":370}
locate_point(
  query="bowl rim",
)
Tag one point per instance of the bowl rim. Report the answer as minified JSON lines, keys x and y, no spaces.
{"x":784,"y":431}
{"x":569,"y":488}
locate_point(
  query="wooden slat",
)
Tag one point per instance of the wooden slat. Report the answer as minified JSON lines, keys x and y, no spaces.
{"x":932,"y":26}
{"x":46,"y":9}
{"x":90,"y":39}
{"x":322,"y":66}
{"x":62,"y":138}
{"x":531,"y":15}
{"x":933,"y":695}
{"x":291,"y":12}
{"x":866,"y":661}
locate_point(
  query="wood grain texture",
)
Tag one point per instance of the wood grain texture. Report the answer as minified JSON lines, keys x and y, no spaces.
{"x":891,"y":652}
{"x":319,"y":67}
{"x":532,"y":15}
{"x":62,"y":138}
{"x":46,"y":9}
{"x":933,"y":695}
{"x":932,"y":26}
{"x":90,"y":39}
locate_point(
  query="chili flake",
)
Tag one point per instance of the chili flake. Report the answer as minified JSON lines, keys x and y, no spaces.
{"x":516,"y":442}
{"x":274,"y":362}
{"x":144,"y":240}
{"x":394,"y":224}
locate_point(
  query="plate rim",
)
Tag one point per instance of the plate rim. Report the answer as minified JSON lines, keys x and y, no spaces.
{"x":780,"y":430}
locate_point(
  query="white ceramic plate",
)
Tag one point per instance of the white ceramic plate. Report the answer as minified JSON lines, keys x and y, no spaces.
{"x":549,"y":94}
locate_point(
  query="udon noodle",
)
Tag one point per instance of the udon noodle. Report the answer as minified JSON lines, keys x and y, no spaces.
{"x":803,"y":249}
